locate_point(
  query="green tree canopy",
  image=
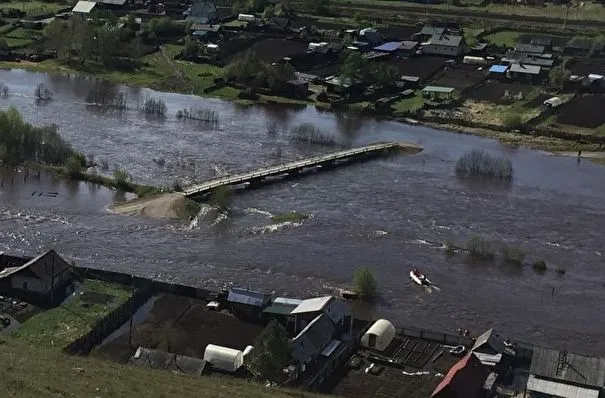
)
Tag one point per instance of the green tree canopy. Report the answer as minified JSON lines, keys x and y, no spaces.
{"x":271,"y":353}
{"x":365,"y":284}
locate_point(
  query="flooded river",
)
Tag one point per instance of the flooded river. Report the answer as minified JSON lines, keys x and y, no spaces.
{"x":390,"y":214}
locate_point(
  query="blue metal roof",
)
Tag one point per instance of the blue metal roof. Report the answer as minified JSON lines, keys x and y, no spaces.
{"x":390,"y":46}
{"x":249,"y":297}
{"x":498,"y":68}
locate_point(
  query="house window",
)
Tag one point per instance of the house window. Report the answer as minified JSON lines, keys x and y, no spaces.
{"x":24,"y":285}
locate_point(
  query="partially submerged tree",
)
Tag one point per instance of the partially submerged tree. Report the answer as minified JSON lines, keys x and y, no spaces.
{"x":478,"y":163}
{"x":271,"y":353}
{"x":221,"y":197}
{"x":365,"y":284}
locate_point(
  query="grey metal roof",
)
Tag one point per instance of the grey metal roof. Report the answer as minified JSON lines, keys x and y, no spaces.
{"x":553,"y":388}
{"x":524,"y":58}
{"x":156,"y":359}
{"x":432,"y":30}
{"x":312,"y":305}
{"x":319,"y":331}
{"x":489,"y":339}
{"x":530,"y":48}
{"x":446,"y":40}
{"x":573,"y":368}
{"x":279,"y":309}
{"x":249,"y":297}
{"x":112,"y":2}
{"x":524,"y":68}
{"x":84,"y":7}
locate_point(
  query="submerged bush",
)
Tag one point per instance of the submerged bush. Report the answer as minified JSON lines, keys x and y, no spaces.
{"x":106,"y":99}
{"x":512,"y":255}
{"x":221,"y":197}
{"x":3,"y":90}
{"x":42,"y":93}
{"x":153,"y":107}
{"x":309,"y":134}
{"x":539,"y":266}
{"x":365,"y":283}
{"x":201,"y":114}
{"x":480,"y":248}
{"x":478,"y":163}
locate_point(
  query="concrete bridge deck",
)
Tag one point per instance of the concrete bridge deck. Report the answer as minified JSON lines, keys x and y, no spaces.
{"x":295,"y":167}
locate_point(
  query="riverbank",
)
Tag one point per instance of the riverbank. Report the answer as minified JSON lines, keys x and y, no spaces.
{"x":198,"y":78}
{"x":60,"y":374}
{"x":174,"y":206}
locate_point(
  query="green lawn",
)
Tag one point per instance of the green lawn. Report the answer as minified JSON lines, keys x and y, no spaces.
{"x":409,"y":104}
{"x":588,"y":11}
{"x":508,"y":38}
{"x":33,"y":372}
{"x":22,"y":37}
{"x":59,"y":326}
{"x":34,"y":8}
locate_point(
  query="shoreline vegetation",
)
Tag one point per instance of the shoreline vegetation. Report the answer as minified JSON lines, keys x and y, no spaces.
{"x":557,"y":146}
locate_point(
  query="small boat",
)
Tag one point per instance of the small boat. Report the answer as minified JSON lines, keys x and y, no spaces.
{"x":419,"y":278}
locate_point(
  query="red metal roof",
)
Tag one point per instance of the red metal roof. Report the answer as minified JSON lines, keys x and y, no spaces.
{"x":464,"y":380}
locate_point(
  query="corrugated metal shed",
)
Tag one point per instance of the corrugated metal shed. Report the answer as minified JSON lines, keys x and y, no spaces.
{"x":573,"y":368}
{"x":156,"y":359}
{"x":389,"y":47}
{"x":287,"y":301}
{"x":84,"y":7}
{"x":553,"y":388}
{"x":524,"y":68}
{"x":489,"y":341}
{"x":312,"y":305}
{"x":249,"y":297}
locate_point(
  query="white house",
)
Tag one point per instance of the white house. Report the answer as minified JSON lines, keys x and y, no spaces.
{"x":445,"y":44}
{"x":336,"y":310}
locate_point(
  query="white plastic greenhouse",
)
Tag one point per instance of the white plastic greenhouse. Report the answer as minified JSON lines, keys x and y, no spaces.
{"x":223,"y":358}
{"x":379,"y":335}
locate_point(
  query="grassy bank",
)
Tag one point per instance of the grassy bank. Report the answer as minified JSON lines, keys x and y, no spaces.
{"x":35,"y":372}
{"x":291,"y":216}
{"x":59,"y":326}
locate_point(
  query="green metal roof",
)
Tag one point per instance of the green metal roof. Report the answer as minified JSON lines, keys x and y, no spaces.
{"x":280,"y":309}
{"x":438,"y":89}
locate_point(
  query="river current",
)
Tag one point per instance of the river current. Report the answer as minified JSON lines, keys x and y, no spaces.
{"x":389,"y":214}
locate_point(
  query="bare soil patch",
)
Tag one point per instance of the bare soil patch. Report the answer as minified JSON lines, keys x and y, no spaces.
{"x":423,"y":67}
{"x":584,"y":68}
{"x":461,"y":78}
{"x":272,"y":50}
{"x":183,"y":326}
{"x":171,"y":206}
{"x":586,"y":111}
{"x":493,"y":91}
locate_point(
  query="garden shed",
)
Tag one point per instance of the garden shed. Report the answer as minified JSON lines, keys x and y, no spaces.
{"x":224,"y":358}
{"x":379,"y":335}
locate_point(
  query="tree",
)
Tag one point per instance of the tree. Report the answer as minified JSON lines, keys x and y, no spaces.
{"x":73,"y":166}
{"x":269,"y":12}
{"x":271,"y":353}
{"x":384,"y":75}
{"x":365,"y":284}
{"x":319,"y":6}
{"x":191,"y":48}
{"x":511,"y":120}
{"x":284,"y":10}
{"x":558,"y":76}
{"x":354,"y":66}
{"x":221,"y":197}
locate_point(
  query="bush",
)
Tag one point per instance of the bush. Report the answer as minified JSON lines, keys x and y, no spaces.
{"x":202,"y":115}
{"x":106,"y":99}
{"x":153,"y":107}
{"x":539,"y":266}
{"x":42,"y":93}
{"x":480,"y":249}
{"x":221,"y":197}
{"x":177,"y":186}
{"x":74,"y":166}
{"x":308,"y":133}
{"x":271,"y":353}
{"x":121,"y":178}
{"x":291,"y":216}
{"x":511,"y":120}
{"x":478,"y":163}
{"x":512,"y":255}
{"x":365,"y":283}
{"x":450,"y":249}
{"x":4,"y":91}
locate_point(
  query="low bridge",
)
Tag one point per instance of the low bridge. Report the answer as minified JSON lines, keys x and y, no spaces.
{"x":295,"y":168}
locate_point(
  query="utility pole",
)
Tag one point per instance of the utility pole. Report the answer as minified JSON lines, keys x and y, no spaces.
{"x":131,"y":314}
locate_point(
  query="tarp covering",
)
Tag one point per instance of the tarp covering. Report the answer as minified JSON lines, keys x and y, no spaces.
{"x":379,"y":335}
{"x":224,"y":358}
